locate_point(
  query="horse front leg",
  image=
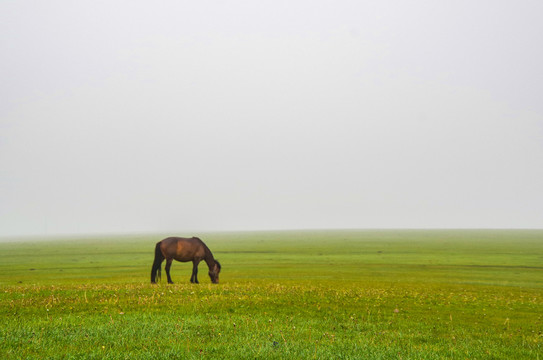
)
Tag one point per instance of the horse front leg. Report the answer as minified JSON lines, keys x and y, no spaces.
{"x":167,"y":267}
{"x":194,"y":277}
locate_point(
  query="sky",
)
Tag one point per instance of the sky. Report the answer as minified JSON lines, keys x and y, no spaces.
{"x":180,"y":116}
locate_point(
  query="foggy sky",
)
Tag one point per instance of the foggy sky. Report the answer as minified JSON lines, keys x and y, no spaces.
{"x":181,"y":116}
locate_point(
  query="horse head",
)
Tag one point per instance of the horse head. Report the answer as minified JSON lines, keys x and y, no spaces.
{"x":214,"y":272}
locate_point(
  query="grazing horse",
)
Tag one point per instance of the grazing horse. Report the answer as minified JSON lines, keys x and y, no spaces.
{"x":184,"y":249}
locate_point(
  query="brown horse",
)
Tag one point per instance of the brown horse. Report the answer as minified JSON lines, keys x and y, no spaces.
{"x":184,"y":249}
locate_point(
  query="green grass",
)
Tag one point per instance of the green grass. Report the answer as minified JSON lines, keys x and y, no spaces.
{"x":440,"y":294}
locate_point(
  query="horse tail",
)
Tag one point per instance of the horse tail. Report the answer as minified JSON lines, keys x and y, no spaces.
{"x":159,"y":258}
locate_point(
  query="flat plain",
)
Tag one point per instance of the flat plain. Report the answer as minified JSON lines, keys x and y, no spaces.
{"x":341,"y":294}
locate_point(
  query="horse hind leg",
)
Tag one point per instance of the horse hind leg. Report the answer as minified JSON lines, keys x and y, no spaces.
{"x":194,"y":277}
{"x":167,"y":268}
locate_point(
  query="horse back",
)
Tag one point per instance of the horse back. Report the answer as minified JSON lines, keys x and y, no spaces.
{"x":183,"y":249}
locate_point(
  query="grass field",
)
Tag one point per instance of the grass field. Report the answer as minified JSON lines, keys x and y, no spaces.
{"x":435,"y":294}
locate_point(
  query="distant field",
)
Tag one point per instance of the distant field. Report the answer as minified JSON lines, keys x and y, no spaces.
{"x":390,"y":294}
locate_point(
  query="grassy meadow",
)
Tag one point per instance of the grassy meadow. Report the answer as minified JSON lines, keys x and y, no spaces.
{"x":389,"y":294}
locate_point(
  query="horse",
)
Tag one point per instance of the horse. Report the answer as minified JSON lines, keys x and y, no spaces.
{"x":184,"y":250}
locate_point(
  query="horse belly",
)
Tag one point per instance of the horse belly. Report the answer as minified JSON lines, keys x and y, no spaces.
{"x":186,"y":252}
